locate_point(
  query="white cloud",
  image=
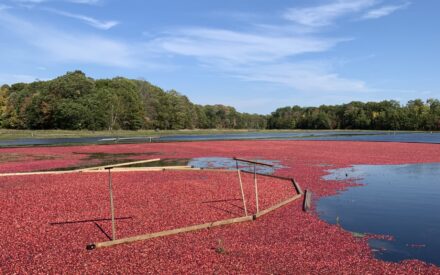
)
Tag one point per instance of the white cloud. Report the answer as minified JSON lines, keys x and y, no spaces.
{"x":326,"y":14}
{"x":261,"y":57}
{"x":103,"y":25}
{"x":302,"y":77}
{"x":240,"y":47}
{"x":269,"y":53}
{"x":384,"y":11}
{"x":63,"y":46}
{"x":265,"y":53}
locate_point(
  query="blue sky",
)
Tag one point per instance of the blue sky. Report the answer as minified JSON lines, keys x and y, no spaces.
{"x":255,"y":55}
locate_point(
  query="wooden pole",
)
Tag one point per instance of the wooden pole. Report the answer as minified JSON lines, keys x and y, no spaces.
{"x":112,"y":209}
{"x":256,"y":186}
{"x":241,"y":189}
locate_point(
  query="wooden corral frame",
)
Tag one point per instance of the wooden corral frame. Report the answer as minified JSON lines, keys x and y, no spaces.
{"x":191,"y":228}
{"x":119,"y":168}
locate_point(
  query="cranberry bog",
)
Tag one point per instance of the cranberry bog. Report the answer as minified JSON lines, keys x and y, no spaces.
{"x":47,"y":220}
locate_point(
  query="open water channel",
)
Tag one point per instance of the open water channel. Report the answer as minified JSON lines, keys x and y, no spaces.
{"x":402,"y":201}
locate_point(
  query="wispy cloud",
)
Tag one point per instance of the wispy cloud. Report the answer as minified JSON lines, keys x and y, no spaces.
{"x":62,"y":46}
{"x":265,"y":57}
{"x":384,"y":11}
{"x":305,"y":77}
{"x":278,"y":54}
{"x":240,"y":47}
{"x":103,"y":25}
{"x":323,"y":15}
{"x":271,"y":53}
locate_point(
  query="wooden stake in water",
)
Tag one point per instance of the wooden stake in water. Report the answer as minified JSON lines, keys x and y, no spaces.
{"x":112,"y":209}
{"x":241,"y":189}
{"x":256,"y":186}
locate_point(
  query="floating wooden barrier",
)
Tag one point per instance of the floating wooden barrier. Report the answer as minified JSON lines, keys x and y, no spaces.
{"x":128,"y":169}
{"x":141,"y":169}
{"x":38,"y":173}
{"x":205,"y":225}
{"x":119,"y":168}
{"x":78,"y":170}
{"x":169,"y":232}
{"x":190,"y":228}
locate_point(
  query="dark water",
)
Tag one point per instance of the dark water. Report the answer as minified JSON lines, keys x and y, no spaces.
{"x":228,"y":163}
{"x":216,"y":163}
{"x":206,"y":162}
{"x":424,"y":137}
{"x":398,"y":200}
{"x":303,"y":135}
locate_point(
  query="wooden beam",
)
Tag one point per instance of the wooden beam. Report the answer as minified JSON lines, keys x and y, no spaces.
{"x":253,"y":162}
{"x":142,"y":169}
{"x":127,"y":169}
{"x":276,"y":206}
{"x":156,"y":168}
{"x":169,"y":232}
{"x":118,"y":165}
{"x":38,"y":173}
{"x":267,"y":175}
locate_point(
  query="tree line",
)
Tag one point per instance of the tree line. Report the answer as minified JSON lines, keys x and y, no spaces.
{"x":75,"y":101}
